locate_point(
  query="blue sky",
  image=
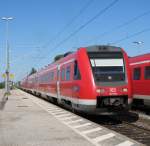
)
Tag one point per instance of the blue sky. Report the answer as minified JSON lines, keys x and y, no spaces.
{"x":37,"y":22}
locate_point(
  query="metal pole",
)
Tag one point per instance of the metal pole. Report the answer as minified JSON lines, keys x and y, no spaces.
{"x":7,"y":60}
{"x":7,"y":88}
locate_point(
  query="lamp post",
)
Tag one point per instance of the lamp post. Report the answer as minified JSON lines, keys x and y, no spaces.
{"x":7,"y":19}
{"x":138,"y":42}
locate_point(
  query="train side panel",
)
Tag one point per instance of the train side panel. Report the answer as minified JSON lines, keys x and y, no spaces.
{"x":140,"y":66}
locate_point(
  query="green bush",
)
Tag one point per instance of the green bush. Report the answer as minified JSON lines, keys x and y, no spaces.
{"x":2,"y":85}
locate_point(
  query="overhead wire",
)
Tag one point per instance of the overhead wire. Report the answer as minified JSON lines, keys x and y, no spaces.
{"x":120,"y":26}
{"x":102,"y":11}
{"x":87,"y":23}
{"x":81,"y":11}
{"x":132,"y":35}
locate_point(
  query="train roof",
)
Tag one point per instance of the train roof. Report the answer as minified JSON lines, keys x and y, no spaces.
{"x":139,"y":58}
{"x":102,"y":48}
{"x":66,"y":56}
{"x":52,"y":65}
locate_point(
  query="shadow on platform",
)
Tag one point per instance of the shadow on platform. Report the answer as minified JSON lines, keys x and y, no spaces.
{"x":3,"y":102}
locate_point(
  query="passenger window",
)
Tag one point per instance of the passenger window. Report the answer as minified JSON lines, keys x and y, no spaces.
{"x":147,"y":72}
{"x":63,"y":74}
{"x":58,"y":74}
{"x":137,"y":73}
{"x":77,"y":75}
{"x":51,"y":76}
{"x":68,"y":73}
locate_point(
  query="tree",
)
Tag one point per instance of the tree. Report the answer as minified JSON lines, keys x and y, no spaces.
{"x":33,"y":70}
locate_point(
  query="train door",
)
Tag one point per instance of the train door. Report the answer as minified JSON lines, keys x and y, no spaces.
{"x":146,"y":82}
{"x":137,"y":78}
{"x":58,"y":84}
{"x":76,"y":78}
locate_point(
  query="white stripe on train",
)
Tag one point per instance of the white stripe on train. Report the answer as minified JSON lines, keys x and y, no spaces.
{"x":74,"y":100}
{"x":137,"y":96}
{"x":140,"y":62}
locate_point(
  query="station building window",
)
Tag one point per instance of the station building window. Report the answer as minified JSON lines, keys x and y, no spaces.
{"x":147,"y":72}
{"x":137,"y":73}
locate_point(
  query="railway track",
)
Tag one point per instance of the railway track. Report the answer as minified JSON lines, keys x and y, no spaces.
{"x":129,"y":125}
{"x":136,"y":132}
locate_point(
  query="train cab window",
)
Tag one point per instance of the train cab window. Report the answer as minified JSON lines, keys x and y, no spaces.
{"x":147,"y":72}
{"x":136,"y":73}
{"x":77,"y":75}
{"x":63,"y":74}
{"x":68,"y":73}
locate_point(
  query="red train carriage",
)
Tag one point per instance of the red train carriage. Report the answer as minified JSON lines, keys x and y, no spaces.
{"x":140,"y":67}
{"x":93,"y":79}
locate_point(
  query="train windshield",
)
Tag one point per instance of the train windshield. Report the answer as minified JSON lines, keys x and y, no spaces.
{"x":108,"y":67}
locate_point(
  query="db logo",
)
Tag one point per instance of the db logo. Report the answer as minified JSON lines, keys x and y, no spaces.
{"x":112,"y":89}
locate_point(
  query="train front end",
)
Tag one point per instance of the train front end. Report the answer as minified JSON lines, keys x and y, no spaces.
{"x":109,"y":79}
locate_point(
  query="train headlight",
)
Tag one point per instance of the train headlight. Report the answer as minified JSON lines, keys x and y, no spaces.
{"x":125,"y":90}
{"x":100,"y":90}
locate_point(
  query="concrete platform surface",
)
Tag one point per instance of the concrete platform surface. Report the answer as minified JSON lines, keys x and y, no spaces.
{"x":26,"y":120}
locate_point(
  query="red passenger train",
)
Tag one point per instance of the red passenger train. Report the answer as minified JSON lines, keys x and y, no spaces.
{"x":94,"y":79}
{"x":140,"y":67}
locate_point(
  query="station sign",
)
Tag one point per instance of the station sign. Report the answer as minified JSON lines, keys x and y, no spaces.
{"x":11,"y":76}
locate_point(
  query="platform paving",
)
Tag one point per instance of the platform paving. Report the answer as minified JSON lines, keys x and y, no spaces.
{"x":26,"y":120}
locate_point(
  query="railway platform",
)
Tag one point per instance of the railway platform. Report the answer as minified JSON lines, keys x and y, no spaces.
{"x":26,"y":120}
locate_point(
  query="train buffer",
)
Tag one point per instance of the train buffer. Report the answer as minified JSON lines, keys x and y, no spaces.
{"x":26,"y":120}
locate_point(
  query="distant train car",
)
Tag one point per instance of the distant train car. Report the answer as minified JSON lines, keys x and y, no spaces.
{"x":140,"y":67}
{"x":93,"y":79}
